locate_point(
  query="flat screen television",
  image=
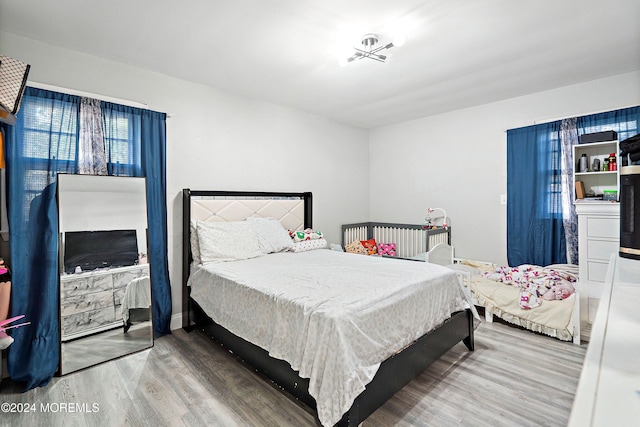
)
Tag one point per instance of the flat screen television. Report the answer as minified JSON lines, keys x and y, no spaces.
{"x":90,"y":250}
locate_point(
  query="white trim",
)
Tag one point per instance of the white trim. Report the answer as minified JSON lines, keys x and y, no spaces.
{"x":87,"y":94}
{"x":176,"y":322}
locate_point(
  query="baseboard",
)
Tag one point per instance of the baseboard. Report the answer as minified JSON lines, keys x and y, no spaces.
{"x":176,"y":321}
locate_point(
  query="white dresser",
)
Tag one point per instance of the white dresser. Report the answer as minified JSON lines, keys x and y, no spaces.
{"x":608,"y":393}
{"x":91,"y":302}
{"x":598,"y":238}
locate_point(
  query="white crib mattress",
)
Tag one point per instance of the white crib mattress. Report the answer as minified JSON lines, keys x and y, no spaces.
{"x":333,"y":316}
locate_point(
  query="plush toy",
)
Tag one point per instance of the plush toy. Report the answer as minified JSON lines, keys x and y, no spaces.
{"x":561,"y":290}
{"x":370,"y":246}
{"x":306,"y":234}
{"x":388,"y":249}
{"x":356,"y":247}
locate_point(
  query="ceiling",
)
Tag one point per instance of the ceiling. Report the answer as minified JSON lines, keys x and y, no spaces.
{"x":459,"y":53}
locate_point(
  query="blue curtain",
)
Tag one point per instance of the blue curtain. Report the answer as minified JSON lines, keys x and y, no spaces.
{"x":44,"y":142}
{"x":150,"y":161}
{"x":535,"y":233}
{"x":41,"y":144}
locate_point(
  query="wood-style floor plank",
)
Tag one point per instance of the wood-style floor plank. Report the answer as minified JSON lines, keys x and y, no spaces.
{"x":514,"y":377}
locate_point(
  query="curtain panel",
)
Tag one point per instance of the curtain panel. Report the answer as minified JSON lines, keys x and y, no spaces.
{"x":569,"y":138}
{"x":45,"y":141}
{"x":535,"y":234}
{"x":148,"y":159}
{"x":41,"y":144}
{"x":91,"y":147}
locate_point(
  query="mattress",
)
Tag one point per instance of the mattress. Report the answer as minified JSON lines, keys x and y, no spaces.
{"x":333,"y":316}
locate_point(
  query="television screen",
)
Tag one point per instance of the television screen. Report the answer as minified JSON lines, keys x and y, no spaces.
{"x":90,"y":250}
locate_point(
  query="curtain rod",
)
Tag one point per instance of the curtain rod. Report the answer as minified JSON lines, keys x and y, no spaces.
{"x":537,"y":122}
{"x":88,"y":95}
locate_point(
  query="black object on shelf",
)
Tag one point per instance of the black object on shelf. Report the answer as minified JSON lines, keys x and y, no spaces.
{"x":608,"y":135}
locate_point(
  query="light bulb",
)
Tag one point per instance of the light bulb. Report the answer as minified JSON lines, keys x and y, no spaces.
{"x":399,"y":40}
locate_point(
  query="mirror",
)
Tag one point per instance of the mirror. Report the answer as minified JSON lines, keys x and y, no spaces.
{"x":105,"y":287}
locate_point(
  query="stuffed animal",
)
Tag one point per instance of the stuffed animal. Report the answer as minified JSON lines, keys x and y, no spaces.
{"x":356,"y":247}
{"x":388,"y":249}
{"x":370,"y":246}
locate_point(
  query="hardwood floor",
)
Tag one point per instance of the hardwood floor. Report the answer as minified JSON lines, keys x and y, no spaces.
{"x":513,"y":378}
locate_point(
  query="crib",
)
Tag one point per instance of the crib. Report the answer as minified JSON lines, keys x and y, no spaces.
{"x":411,"y":240}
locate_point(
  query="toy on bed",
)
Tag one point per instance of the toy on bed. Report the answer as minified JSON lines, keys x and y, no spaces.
{"x":388,"y":249}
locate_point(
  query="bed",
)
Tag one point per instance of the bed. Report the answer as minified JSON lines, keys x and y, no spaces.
{"x":558,"y":318}
{"x":136,"y":302}
{"x":312,"y":345}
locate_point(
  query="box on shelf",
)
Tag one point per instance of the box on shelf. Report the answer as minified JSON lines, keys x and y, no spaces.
{"x":580,"y":190}
{"x":608,"y":135}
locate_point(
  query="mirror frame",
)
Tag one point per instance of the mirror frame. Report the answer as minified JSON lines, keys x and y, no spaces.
{"x":109,"y":185}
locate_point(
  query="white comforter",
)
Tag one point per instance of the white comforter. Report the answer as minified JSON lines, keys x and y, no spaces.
{"x":333,"y":316}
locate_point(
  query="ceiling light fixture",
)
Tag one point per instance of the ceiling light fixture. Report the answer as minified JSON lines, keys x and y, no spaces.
{"x":370,"y":51}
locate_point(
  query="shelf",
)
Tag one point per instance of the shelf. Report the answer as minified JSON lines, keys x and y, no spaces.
{"x":598,"y":181}
{"x":597,"y":144}
{"x":596,"y":173}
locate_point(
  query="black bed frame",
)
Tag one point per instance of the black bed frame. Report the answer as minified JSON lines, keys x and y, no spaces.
{"x":393,"y":374}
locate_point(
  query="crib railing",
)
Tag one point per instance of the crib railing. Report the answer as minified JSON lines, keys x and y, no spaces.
{"x":410,"y":239}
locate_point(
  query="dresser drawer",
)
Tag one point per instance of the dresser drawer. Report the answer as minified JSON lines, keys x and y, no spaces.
{"x":597,"y":271}
{"x":603,"y":227}
{"x":88,"y":302}
{"x":84,"y":284}
{"x":88,"y":320}
{"x":601,"y":249}
{"x":122,"y":278}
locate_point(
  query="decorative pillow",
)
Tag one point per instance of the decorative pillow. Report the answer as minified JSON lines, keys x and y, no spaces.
{"x":226,"y":241}
{"x":272,"y":237}
{"x":306,"y":234}
{"x":309,"y":245}
{"x":356,"y":247}
{"x":370,"y":246}
{"x":388,"y":249}
{"x":195,"y":247}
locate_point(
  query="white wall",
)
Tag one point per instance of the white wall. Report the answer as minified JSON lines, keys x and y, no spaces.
{"x":457,"y":160}
{"x":218,"y":141}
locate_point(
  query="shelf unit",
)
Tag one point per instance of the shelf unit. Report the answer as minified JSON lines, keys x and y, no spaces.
{"x":597,"y":181}
{"x":598,"y":223}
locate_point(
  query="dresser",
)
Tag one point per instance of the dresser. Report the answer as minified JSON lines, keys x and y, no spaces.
{"x":598,"y":238}
{"x":608,"y":392}
{"x":90,"y":302}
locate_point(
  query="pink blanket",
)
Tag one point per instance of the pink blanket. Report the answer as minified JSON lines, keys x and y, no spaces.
{"x":536,"y":283}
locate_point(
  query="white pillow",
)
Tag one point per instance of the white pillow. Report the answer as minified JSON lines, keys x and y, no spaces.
{"x":195,"y":248}
{"x":272,"y":237}
{"x":309,"y":245}
{"x":226,"y":241}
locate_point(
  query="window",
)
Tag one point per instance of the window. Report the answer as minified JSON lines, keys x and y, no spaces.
{"x":122,"y":136}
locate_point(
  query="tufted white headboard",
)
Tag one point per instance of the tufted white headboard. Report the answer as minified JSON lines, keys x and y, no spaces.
{"x":289,"y":211}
